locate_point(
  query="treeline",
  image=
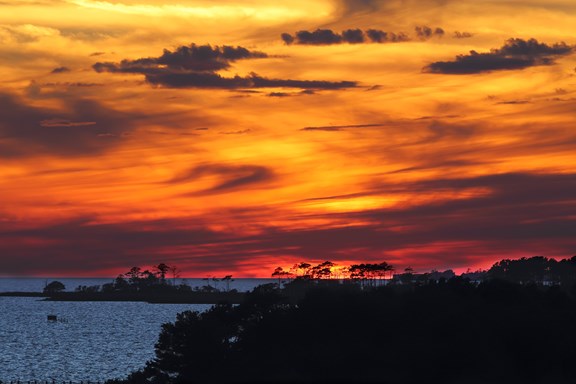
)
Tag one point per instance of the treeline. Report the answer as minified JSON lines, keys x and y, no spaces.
{"x":330,"y":270}
{"x":538,"y":270}
{"x":154,"y":279}
{"x":161,"y":278}
{"x":449,"y":331}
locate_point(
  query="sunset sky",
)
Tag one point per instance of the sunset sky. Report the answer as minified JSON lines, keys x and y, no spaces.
{"x":232,"y":137}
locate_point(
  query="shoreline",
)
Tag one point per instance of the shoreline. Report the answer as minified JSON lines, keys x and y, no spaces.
{"x":152,"y":298}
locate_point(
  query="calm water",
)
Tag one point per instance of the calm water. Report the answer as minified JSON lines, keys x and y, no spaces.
{"x":37,"y":284}
{"x":99,"y":341}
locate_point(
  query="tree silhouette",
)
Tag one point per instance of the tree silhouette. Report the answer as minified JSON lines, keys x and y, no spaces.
{"x":133,"y":275}
{"x":162,"y":271}
{"x":302,"y":269}
{"x":227,"y":280}
{"x":281,"y":274}
{"x":54,"y":287}
{"x":175,"y":271}
{"x":322,"y":270}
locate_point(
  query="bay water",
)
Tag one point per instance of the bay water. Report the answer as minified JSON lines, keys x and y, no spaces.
{"x":94,"y":341}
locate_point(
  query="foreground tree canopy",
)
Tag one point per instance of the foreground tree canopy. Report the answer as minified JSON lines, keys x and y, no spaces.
{"x":450,"y":331}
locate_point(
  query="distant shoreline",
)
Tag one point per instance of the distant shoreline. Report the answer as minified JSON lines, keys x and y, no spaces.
{"x":152,"y":298}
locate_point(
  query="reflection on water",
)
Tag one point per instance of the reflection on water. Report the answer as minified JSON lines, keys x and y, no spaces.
{"x":36,"y":284}
{"x":99,"y":341}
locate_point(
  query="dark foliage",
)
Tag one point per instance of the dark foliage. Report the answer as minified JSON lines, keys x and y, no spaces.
{"x":137,"y":280}
{"x":450,"y":331}
{"x":54,"y":287}
{"x":537,"y":269}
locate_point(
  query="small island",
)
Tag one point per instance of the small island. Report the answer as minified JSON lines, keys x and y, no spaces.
{"x":151,"y":286}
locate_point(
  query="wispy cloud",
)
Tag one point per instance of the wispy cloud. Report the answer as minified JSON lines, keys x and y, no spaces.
{"x":231,"y":177}
{"x":332,"y":128}
{"x":27,"y":130}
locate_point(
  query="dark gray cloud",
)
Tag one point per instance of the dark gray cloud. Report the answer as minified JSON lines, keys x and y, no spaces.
{"x":509,"y":200}
{"x":287,"y":38}
{"x":357,"y":36}
{"x":318,"y":37}
{"x":27,"y":130}
{"x":332,"y":128}
{"x":353,"y":36}
{"x":303,"y":92}
{"x":214,"y":80}
{"x":196,"y":67}
{"x":349,"y":36}
{"x":514,"y":102}
{"x":378,"y":36}
{"x":514,"y":54}
{"x":441,"y":164}
{"x":279,"y":94}
{"x":60,"y":70}
{"x":199,"y":58}
{"x":232,"y":177}
{"x":81,"y":245}
{"x":72,"y":84}
{"x":462,"y":35}
{"x":424,"y":32}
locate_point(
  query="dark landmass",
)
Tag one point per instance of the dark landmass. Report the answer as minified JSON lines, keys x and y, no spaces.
{"x":23,"y":294}
{"x":151,"y":297}
{"x":442,"y":332}
{"x":514,"y":326}
{"x":142,"y":285}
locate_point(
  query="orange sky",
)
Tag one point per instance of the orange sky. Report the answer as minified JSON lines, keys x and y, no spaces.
{"x":238,"y":136}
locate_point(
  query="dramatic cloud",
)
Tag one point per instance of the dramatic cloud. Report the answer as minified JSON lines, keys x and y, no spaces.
{"x":357,"y":36}
{"x":80,"y":244}
{"x":517,"y":212}
{"x":27,"y":130}
{"x":196,"y":67}
{"x":378,"y":36}
{"x":462,"y":35}
{"x":214,"y":80}
{"x":232,"y":177}
{"x":332,"y":128}
{"x":60,"y":70}
{"x":514,"y":54}
{"x":425,"y":32}
{"x":353,"y":36}
{"x":246,"y":154}
{"x":200,"y":58}
{"x":350,"y":36}
{"x":65,"y":123}
{"x":74,"y":84}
